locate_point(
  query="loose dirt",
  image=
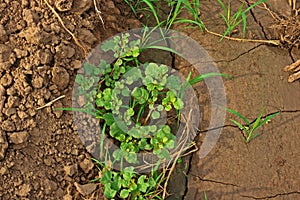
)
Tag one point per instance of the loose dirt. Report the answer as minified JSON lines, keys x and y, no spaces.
{"x":41,"y":154}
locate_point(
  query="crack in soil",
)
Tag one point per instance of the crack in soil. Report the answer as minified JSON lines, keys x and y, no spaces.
{"x":272,"y":196}
{"x":186,"y":177}
{"x":258,"y":22}
{"x":215,"y":181}
{"x":242,"y":54}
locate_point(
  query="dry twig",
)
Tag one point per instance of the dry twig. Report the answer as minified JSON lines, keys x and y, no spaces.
{"x":273,"y":42}
{"x":51,"y":102}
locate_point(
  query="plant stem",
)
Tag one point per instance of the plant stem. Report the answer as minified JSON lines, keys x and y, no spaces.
{"x":273,"y":42}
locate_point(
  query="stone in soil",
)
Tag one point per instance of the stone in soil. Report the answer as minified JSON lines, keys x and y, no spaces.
{"x":86,"y":165}
{"x":18,"y":137}
{"x":24,"y":190}
{"x":60,"y":77}
{"x":71,"y":169}
{"x":5,"y":52}
{"x":87,"y":36}
{"x":3,"y":34}
{"x":8,"y":125}
{"x":86,"y":189}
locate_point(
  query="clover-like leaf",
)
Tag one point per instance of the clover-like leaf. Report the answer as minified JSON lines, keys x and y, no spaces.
{"x":109,"y":118}
{"x":155,"y":115}
{"x":109,"y":192}
{"x":124,"y":193}
{"x":142,"y":185}
{"x":173,"y":83}
{"x":152,"y":70}
{"x":178,"y":104}
{"x":109,"y":44}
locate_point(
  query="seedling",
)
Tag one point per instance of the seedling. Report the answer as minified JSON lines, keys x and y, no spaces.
{"x":233,"y":20}
{"x":249,"y":128}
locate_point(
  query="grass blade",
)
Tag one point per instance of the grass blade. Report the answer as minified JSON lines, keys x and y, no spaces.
{"x":244,"y":18}
{"x":256,"y":123}
{"x":163,"y":48}
{"x":207,"y":75}
{"x":266,"y":119}
{"x":242,"y":127}
{"x":239,"y":115}
{"x":152,"y":9}
{"x":222,"y":6}
{"x":253,"y":5}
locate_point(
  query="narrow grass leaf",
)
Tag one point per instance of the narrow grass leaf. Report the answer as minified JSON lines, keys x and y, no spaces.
{"x":200,"y":24}
{"x":242,"y":127}
{"x":222,"y":6}
{"x":244,"y":23}
{"x":152,"y":9}
{"x":207,"y":75}
{"x":266,"y":119}
{"x":256,"y":123}
{"x":163,"y":48}
{"x":239,"y":115}
{"x":253,"y":5}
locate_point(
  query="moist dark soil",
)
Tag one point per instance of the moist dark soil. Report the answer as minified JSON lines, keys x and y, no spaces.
{"x":42,"y":155}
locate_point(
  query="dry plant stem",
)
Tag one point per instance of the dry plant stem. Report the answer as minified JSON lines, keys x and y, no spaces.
{"x":273,"y":42}
{"x":63,"y":25}
{"x":293,"y":67}
{"x":294,"y":77}
{"x":51,"y":102}
{"x":186,"y":130}
{"x":98,"y":12}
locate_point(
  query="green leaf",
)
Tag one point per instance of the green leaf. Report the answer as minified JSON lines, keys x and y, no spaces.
{"x":243,"y":128}
{"x":141,"y":184}
{"x":108,"y":44}
{"x":152,"y":70}
{"x":170,"y":144}
{"x":155,"y":115}
{"x":164,"y":154}
{"x":124,"y":193}
{"x":106,"y":177}
{"x":89,"y":69}
{"x":135,"y":52}
{"x":160,"y":108}
{"x":109,"y":192}
{"x":256,"y":122}
{"x":168,"y":108}
{"x":173,"y":83}
{"x":109,"y":118}
{"x":178,"y":104}
{"x":239,"y":115}
{"x":207,"y":75}
{"x":268,"y":118}
{"x":130,"y":112}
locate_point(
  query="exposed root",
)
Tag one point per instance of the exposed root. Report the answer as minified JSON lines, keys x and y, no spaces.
{"x":98,"y":12}
{"x":63,"y":25}
{"x":295,"y":69}
{"x":51,"y":102}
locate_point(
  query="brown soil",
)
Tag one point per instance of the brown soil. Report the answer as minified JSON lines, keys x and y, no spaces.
{"x":41,"y":155}
{"x":267,"y":167}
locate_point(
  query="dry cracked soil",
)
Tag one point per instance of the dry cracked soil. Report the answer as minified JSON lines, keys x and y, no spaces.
{"x":41,"y":154}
